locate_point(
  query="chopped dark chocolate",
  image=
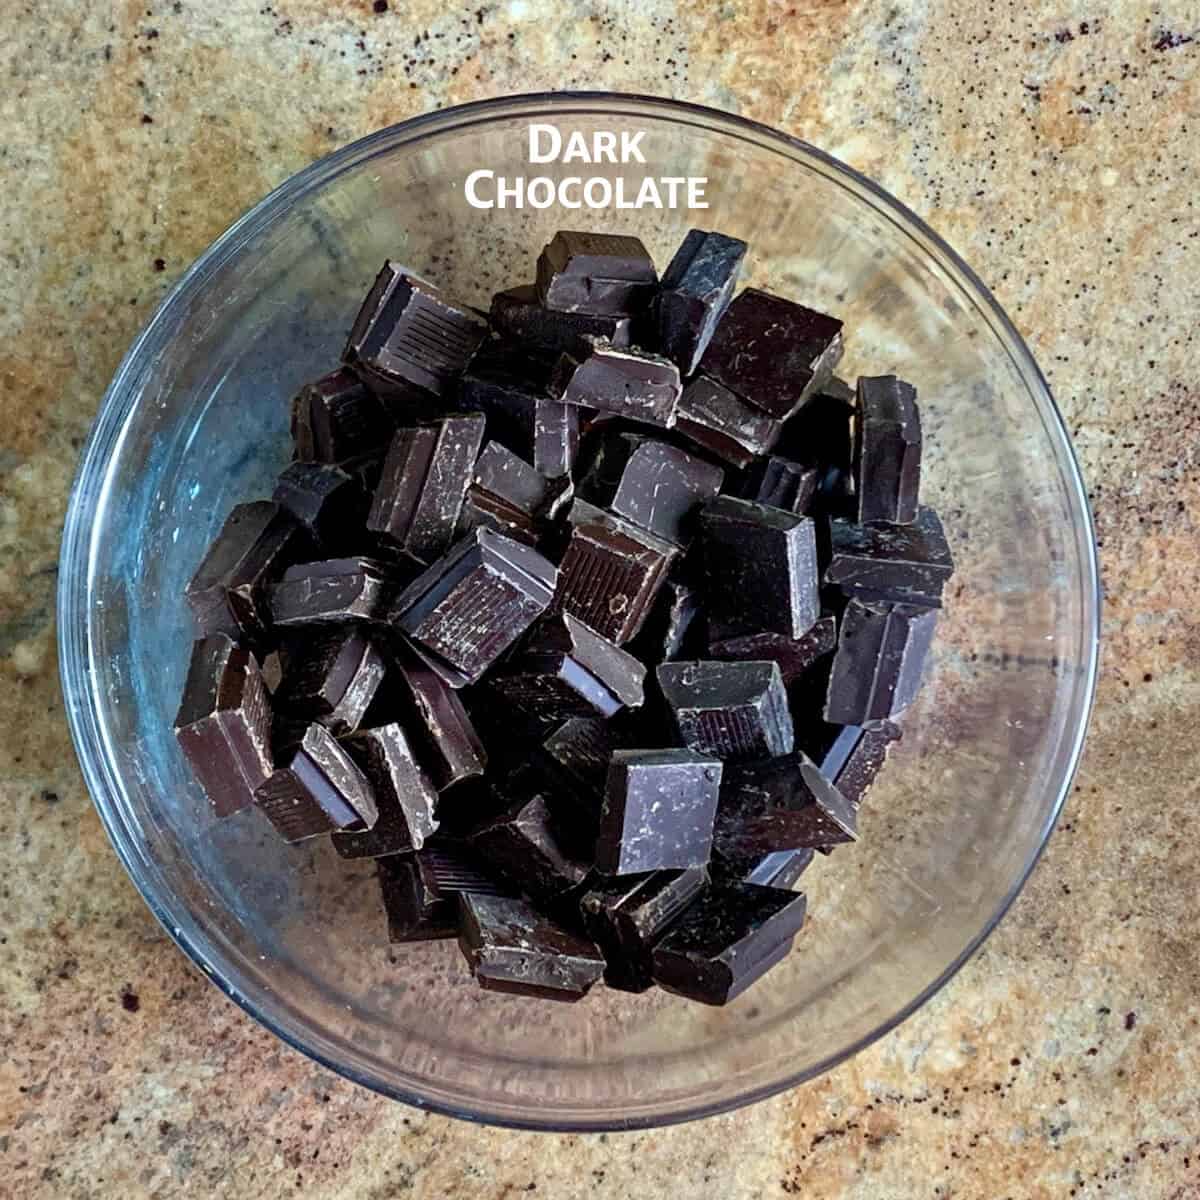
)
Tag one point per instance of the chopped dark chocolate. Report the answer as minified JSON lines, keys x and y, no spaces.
{"x":906,"y":564}
{"x":856,"y":757}
{"x":781,"y":483}
{"x":819,"y":436}
{"x":336,"y":419}
{"x":518,"y":313}
{"x":887,"y":450}
{"x":720,"y":421}
{"x":671,"y":622}
{"x":509,"y":495}
{"x":578,"y":752}
{"x":598,"y":273}
{"x":779,"y":868}
{"x":662,"y":488}
{"x":625,"y":382}
{"x":332,"y":679}
{"x":335,"y":589}
{"x":792,"y":655}
{"x":326,"y":499}
{"x":417,"y":910}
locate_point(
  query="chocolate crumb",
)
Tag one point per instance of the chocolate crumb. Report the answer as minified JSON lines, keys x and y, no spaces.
{"x":130,"y":1001}
{"x":1130,"y":1020}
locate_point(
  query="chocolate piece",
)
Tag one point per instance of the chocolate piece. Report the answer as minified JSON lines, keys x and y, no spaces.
{"x":663,"y":487}
{"x":509,"y":495}
{"x":408,"y":333}
{"x":327,"y":500}
{"x":424,"y":483}
{"x":626,"y":917}
{"x":783,"y":804}
{"x":720,"y":421}
{"x":781,"y":484}
{"x":417,"y":911}
{"x":625,"y":382}
{"x":316,"y":789}
{"x":906,"y":564}
{"x":793,"y":656}
{"x":887,"y":450}
{"x":578,"y":753}
{"x":819,"y":436}
{"x":727,"y":940}
{"x":518,"y":313}
{"x":599,"y":273}
{"x":658,"y":811}
{"x":224,"y":723}
{"x":880,"y":657}
{"x":773,"y":352}
{"x":336,"y":418}
{"x":565,"y":670}
{"x":761,"y":568}
{"x":512,"y":948}
{"x":471,"y":605}
{"x":734,"y":710}
{"x":228,"y":593}
{"x":779,"y":868}
{"x":332,"y":679}
{"x":335,"y":589}
{"x":855,"y":758}
{"x":673,"y":616}
{"x":695,"y":291}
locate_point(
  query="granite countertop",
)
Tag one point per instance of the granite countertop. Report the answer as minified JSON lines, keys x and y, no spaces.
{"x":1054,"y":145}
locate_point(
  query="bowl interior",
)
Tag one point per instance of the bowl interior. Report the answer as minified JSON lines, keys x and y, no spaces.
{"x":197,"y":421}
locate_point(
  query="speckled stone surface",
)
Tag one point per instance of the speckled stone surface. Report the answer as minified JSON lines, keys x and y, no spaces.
{"x":1055,"y":146}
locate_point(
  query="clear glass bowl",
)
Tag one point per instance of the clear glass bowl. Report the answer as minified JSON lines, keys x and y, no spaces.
{"x":196,"y":420}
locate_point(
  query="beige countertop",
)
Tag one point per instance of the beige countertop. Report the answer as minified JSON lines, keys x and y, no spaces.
{"x":1054,"y":145}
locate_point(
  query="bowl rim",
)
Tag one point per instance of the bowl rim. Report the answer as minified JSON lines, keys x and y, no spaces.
{"x":75,"y":577}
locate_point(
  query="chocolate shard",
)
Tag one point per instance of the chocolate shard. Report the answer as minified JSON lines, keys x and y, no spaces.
{"x":627,"y":916}
{"x":512,"y":948}
{"x":474,"y":603}
{"x":856,"y":758}
{"x":229,"y":592}
{"x":733,"y":710}
{"x":332,"y":678}
{"x":727,"y":940}
{"x":408,"y":333}
{"x":565,"y":670}
{"x":718,"y":420}
{"x":906,"y":564}
{"x":658,"y":812}
{"x":783,"y":804}
{"x":405,"y":797}
{"x":518,"y":313}
{"x":779,"y":868}
{"x":761,"y":568}
{"x":424,"y":483}
{"x":773,"y":352}
{"x":880,"y":657}
{"x":781,"y":483}
{"x":887,"y":450}
{"x":597,"y":273}
{"x":509,"y":495}
{"x":624,"y":382}
{"x":695,"y":291}
{"x":224,"y":723}
{"x":663,"y":488}
{"x":334,"y":589}
{"x":316,"y":789}
{"x":327,"y":500}
{"x":793,"y":656}
{"x":336,"y":418}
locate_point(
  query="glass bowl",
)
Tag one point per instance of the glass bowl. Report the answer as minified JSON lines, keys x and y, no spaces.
{"x":196,"y":420}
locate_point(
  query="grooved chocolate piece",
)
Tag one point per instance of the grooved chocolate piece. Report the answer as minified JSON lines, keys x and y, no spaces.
{"x":229,"y":592}
{"x":887,"y":450}
{"x":224,"y":723}
{"x":625,"y":382}
{"x":332,"y":678}
{"x":404,"y":796}
{"x":658,"y":811}
{"x":727,"y":940}
{"x":424,"y":483}
{"x":783,"y":804}
{"x":336,"y":418}
{"x":662,"y":489}
{"x":512,"y":948}
{"x":773,"y":352}
{"x":906,"y":564}
{"x":627,"y":916}
{"x":420,"y":890}
{"x":316,"y":789}
{"x":409,"y":333}
{"x":793,"y":656}
{"x":518,"y":313}
{"x":856,"y":757}
{"x":734,"y":710}
{"x":720,"y":421}
{"x":471,"y":605}
{"x":335,"y":589}
{"x":761,"y":568}
{"x":599,"y":273}
{"x":327,"y":500}
{"x":880,"y":657}
{"x":695,"y":291}
{"x":781,"y":484}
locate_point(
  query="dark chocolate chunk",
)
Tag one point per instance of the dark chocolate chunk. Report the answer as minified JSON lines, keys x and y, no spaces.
{"x":417,"y":910}
{"x":779,"y":868}
{"x":512,"y":948}
{"x":337,"y":419}
{"x":761,"y":568}
{"x":474,"y":603}
{"x":229,"y":592}
{"x":880,"y":657}
{"x":695,"y":291}
{"x":599,"y":273}
{"x":720,"y":421}
{"x":316,"y":789}
{"x":662,"y":488}
{"x":792,"y":655}
{"x":773,"y":352}
{"x":781,"y":483}
{"x":404,"y":796}
{"x":509,"y":495}
{"x":658,"y":811}
{"x":224,"y":723}
{"x":887,"y":450}
{"x":856,"y":757}
{"x":627,"y":916}
{"x":727,"y":940}
{"x":327,"y":500}
{"x":409,"y":333}
{"x":578,"y":753}
{"x":819,"y":436}
{"x":734,"y":710}
{"x":625,"y":382}
{"x":518,"y":313}
{"x":332,"y":679}
{"x":672,"y":619}
{"x":906,"y":564}
{"x":335,"y":589}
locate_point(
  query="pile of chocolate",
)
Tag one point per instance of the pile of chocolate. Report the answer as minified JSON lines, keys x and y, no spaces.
{"x":588,"y":619}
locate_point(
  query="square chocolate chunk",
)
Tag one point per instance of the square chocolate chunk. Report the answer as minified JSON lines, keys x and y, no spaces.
{"x":599,"y":273}
{"x":906,"y":564}
{"x":887,"y":450}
